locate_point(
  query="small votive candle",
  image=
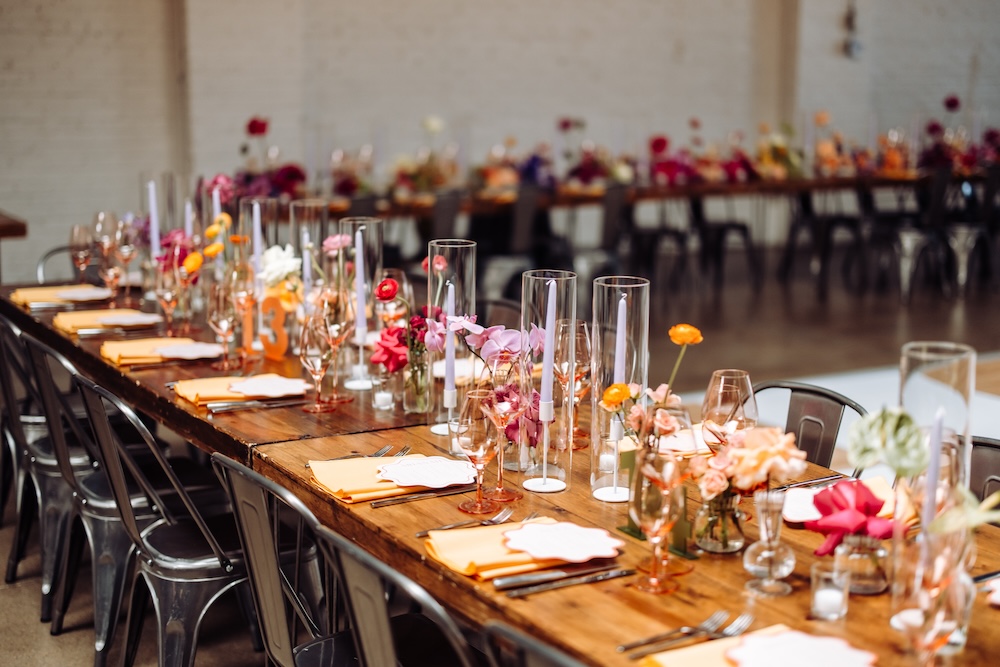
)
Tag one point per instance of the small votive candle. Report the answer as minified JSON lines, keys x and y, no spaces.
{"x":382,"y":392}
{"x":830,"y":587}
{"x":382,"y":400}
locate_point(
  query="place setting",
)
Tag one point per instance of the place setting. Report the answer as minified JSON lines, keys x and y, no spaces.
{"x":233,"y":393}
{"x":62,"y":297}
{"x":148,"y":353}
{"x":107,"y":322}
{"x":410,"y":477}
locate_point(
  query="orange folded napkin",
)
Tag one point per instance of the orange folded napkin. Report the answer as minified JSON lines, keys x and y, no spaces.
{"x":207,"y":390}
{"x":480,"y":552}
{"x":704,"y":654}
{"x":357,"y":481}
{"x":141,"y":351}
{"x":883,"y":491}
{"x":71,"y":322}
{"x":25,"y":296}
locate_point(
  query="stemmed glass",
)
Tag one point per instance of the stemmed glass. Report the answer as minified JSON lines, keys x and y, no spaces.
{"x":126,"y":247}
{"x":509,"y":385}
{"x":81,"y":246}
{"x":653,"y":507}
{"x":316,"y":354}
{"x":336,"y":309}
{"x":240,"y":279}
{"x":221,"y":317}
{"x":729,"y":406}
{"x":394,"y":313}
{"x":768,"y":559}
{"x":168,"y":286}
{"x":475,"y":434}
{"x":105,"y":228}
{"x":575,"y":381}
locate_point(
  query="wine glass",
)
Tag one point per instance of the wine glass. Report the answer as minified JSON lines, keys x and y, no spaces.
{"x":241,"y":282}
{"x":126,"y":247}
{"x":316,"y":354}
{"x":221,"y":316}
{"x":475,"y":434}
{"x":336,"y":309}
{"x":168,"y":287}
{"x":394,"y":313}
{"x":105,"y":227}
{"x":729,"y":406}
{"x":81,"y":245}
{"x":768,"y":559}
{"x":509,"y":384}
{"x":654,"y":506}
{"x":573,"y":335}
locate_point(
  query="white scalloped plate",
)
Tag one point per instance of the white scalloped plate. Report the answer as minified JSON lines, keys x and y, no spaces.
{"x":84,"y":294}
{"x":799,"y":506}
{"x":435,"y":472}
{"x":130,"y":320}
{"x":786,"y":649}
{"x":271,"y":387}
{"x":190,"y":351}
{"x":994,"y":588}
{"x":563,"y":541}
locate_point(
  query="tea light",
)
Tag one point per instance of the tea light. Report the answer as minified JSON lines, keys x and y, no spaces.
{"x":383,"y":400}
{"x":827,"y":603}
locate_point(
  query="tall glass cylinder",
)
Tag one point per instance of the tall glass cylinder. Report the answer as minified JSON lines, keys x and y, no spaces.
{"x":363,"y":254}
{"x":451,"y":290}
{"x":548,"y":297}
{"x":258,"y":214}
{"x":619,"y":355}
{"x":308,"y":220}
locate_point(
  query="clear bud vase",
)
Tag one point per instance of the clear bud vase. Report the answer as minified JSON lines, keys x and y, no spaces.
{"x":362,"y":266}
{"x":717,"y":525}
{"x":867,"y":560}
{"x":548,"y":297}
{"x":619,"y":355}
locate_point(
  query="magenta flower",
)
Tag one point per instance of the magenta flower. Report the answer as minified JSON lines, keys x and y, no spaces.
{"x":502,"y":341}
{"x":434,"y":339}
{"x":952,"y":103}
{"x":536,"y":339}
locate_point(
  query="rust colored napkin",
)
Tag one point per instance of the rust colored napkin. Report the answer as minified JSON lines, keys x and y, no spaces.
{"x":25,"y":296}
{"x":71,"y":322}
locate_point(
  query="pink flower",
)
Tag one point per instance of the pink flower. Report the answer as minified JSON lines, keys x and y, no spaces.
{"x":335,"y":243}
{"x":390,"y":349}
{"x":712,"y":483}
{"x":477,"y":340}
{"x":659,"y":394}
{"x":502,"y":341}
{"x":434,"y":339}
{"x":225,"y":185}
{"x":440,"y":263}
{"x":665,"y":422}
{"x":848,"y":508}
{"x":636,"y":418}
{"x":536,"y":339}
{"x":464,"y":323}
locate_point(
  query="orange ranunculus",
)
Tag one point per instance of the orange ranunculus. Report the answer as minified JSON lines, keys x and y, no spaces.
{"x":214,"y":249}
{"x":193,"y":262}
{"x":822,"y":118}
{"x":239,"y":239}
{"x":685,"y":334}
{"x":224,"y":220}
{"x":212,"y":231}
{"x":615,"y":395}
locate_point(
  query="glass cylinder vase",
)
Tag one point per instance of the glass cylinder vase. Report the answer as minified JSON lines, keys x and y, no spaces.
{"x":417,"y":384}
{"x":363,"y":264}
{"x":866,"y":558}
{"x":257,"y":215}
{"x":546,"y":441}
{"x":619,"y":355}
{"x":717,"y":525}
{"x":451,"y":290}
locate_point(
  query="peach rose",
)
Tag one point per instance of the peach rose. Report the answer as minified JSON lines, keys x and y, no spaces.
{"x":712,"y":483}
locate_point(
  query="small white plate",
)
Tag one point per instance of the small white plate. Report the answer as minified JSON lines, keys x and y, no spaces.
{"x":130,"y":320}
{"x":270,"y":387}
{"x":786,"y":649}
{"x":85,"y":294}
{"x":435,"y":472}
{"x":563,"y":541}
{"x":799,"y":506}
{"x":190,"y":351}
{"x":993,"y":587}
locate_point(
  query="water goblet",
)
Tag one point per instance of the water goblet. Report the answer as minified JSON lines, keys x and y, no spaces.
{"x":126,"y":248}
{"x":168,"y":292}
{"x":768,"y":559}
{"x":574,"y":335}
{"x":729,"y":406}
{"x":105,"y":226}
{"x":316,"y":354}
{"x":111,"y":274}
{"x":336,"y":309}
{"x":653,"y":506}
{"x":81,"y":246}
{"x":476,"y":436}
{"x":510,"y":395}
{"x":241,"y":281}
{"x":221,"y":316}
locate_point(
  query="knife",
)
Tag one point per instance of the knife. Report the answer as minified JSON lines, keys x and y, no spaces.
{"x":251,"y":405}
{"x":165,"y":364}
{"x":518,"y":580}
{"x":450,"y":491}
{"x":989,"y":576}
{"x":809,"y":482}
{"x":108,"y":332}
{"x":572,"y":581}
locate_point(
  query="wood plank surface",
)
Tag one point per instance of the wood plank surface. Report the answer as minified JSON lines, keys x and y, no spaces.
{"x":988,"y":376}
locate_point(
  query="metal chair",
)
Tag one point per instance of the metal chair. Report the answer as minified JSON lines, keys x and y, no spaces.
{"x":712,"y":236}
{"x":492,"y":312}
{"x":984,"y":472}
{"x":499,"y":269}
{"x":814,"y":416}
{"x":588,"y":263}
{"x":504,"y":644}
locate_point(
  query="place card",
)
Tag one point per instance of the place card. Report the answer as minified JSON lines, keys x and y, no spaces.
{"x":563,"y":541}
{"x":270,"y":386}
{"x":193,"y":350}
{"x":435,"y":472}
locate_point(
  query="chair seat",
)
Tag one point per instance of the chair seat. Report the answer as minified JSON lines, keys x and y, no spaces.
{"x":183,"y":549}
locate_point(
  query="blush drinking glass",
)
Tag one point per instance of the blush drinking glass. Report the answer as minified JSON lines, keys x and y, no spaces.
{"x":316,"y":354}
{"x":729,"y":406}
{"x":508,"y":382}
{"x":168,"y":286}
{"x":653,"y":507}
{"x":221,"y":316}
{"x":336,"y":310}
{"x":475,"y":435}
{"x":574,"y":335}
{"x":81,"y":247}
{"x":126,"y":248}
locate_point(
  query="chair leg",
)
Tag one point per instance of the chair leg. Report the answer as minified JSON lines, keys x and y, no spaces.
{"x":910,"y":243}
{"x":113,"y":559}
{"x":27,"y":510}
{"x":136,"y":617}
{"x":788,"y":255}
{"x":69,"y":567}
{"x":962,"y":240}
{"x":56,"y":506}
{"x":7,"y":465}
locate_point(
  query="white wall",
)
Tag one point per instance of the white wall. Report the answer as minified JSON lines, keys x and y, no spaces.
{"x":93,"y":91}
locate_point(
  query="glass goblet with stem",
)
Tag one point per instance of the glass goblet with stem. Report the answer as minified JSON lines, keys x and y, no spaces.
{"x":241,"y":281}
{"x":336,"y":309}
{"x":316,"y":354}
{"x":126,"y":248}
{"x":111,"y":274}
{"x":767,"y":559}
{"x":168,"y":286}
{"x":509,"y":383}
{"x":653,"y":507}
{"x":729,"y":406}
{"x":81,"y":247}
{"x":105,"y":227}
{"x":221,"y":316}
{"x":476,"y":436}
{"x":574,"y":335}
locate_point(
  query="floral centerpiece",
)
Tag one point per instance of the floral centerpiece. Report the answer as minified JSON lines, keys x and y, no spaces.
{"x":281,"y":271}
{"x":352,"y":172}
{"x":775,"y":159}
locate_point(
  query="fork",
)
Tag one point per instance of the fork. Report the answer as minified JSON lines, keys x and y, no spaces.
{"x":404,"y":451}
{"x":734,"y":629}
{"x":710,"y":624}
{"x":497,"y":518}
{"x":377,"y":453}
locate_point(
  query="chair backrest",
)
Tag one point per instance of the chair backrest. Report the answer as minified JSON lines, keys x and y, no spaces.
{"x":16,"y":383}
{"x":363,"y":206}
{"x":935,"y":197}
{"x":991,"y":189}
{"x":365,"y":584}
{"x":491,"y":312}
{"x":444,"y":214}
{"x":61,"y":252}
{"x":804,"y":203}
{"x":614,"y":206}
{"x":525,"y":208}
{"x":814,"y":416}
{"x":984,"y":472}
{"x":526,"y":651}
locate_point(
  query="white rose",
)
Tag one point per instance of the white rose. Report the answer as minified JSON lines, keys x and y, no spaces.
{"x":433,"y":124}
{"x":279,"y":264}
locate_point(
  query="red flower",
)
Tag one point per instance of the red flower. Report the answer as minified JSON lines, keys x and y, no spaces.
{"x":386,"y":290}
{"x":257,"y":126}
{"x":440,"y":263}
{"x":934,"y":128}
{"x":694,"y":123}
{"x":952,"y":103}
{"x":426,"y":264}
{"x":566,"y":124}
{"x":992,"y":137}
{"x":390,"y":349}
{"x":658,"y":144}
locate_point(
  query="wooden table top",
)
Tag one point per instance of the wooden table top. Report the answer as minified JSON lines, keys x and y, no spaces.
{"x":988,"y":376}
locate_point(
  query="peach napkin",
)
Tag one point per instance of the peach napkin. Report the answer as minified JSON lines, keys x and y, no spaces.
{"x":25,"y":296}
{"x":356,"y":480}
{"x":480,"y":552}
{"x":884,"y":491}
{"x":206,"y":390}
{"x":141,"y":351}
{"x":704,"y":654}
{"x":71,"y":322}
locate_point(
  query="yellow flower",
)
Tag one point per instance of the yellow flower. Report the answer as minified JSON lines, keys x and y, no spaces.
{"x":223,"y":220}
{"x":685,"y":334}
{"x":193,"y":262}
{"x":212,"y":231}
{"x":614,"y":396}
{"x":214,"y":249}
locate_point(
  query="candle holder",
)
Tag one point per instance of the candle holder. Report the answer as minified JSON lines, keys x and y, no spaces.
{"x":451,"y":283}
{"x":364,"y":253}
{"x":619,"y":355}
{"x":256,"y":215}
{"x":308,"y":219}
{"x":548,"y":297}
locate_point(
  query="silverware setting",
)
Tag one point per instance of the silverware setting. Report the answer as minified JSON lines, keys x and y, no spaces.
{"x":221,"y":407}
{"x":988,"y":576}
{"x":571,"y":581}
{"x":383,"y":451}
{"x":710,"y":624}
{"x":734,"y":629}
{"x":165,"y":364}
{"x":809,"y":482}
{"x":116,"y":332}
{"x":534,"y":578}
{"x":399,"y":500}
{"x":498,"y":518}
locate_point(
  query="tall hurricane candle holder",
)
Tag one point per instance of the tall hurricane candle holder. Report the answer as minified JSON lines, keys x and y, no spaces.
{"x":546,"y":448}
{"x":364,"y":254}
{"x":451,"y":291}
{"x":257,"y":215}
{"x":308,"y":223}
{"x":619,"y":355}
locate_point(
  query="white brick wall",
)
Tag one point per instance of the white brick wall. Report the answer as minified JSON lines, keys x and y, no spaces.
{"x":93,"y":91}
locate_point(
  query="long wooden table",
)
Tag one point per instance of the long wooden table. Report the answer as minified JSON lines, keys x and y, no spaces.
{"x":585,"y":621}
